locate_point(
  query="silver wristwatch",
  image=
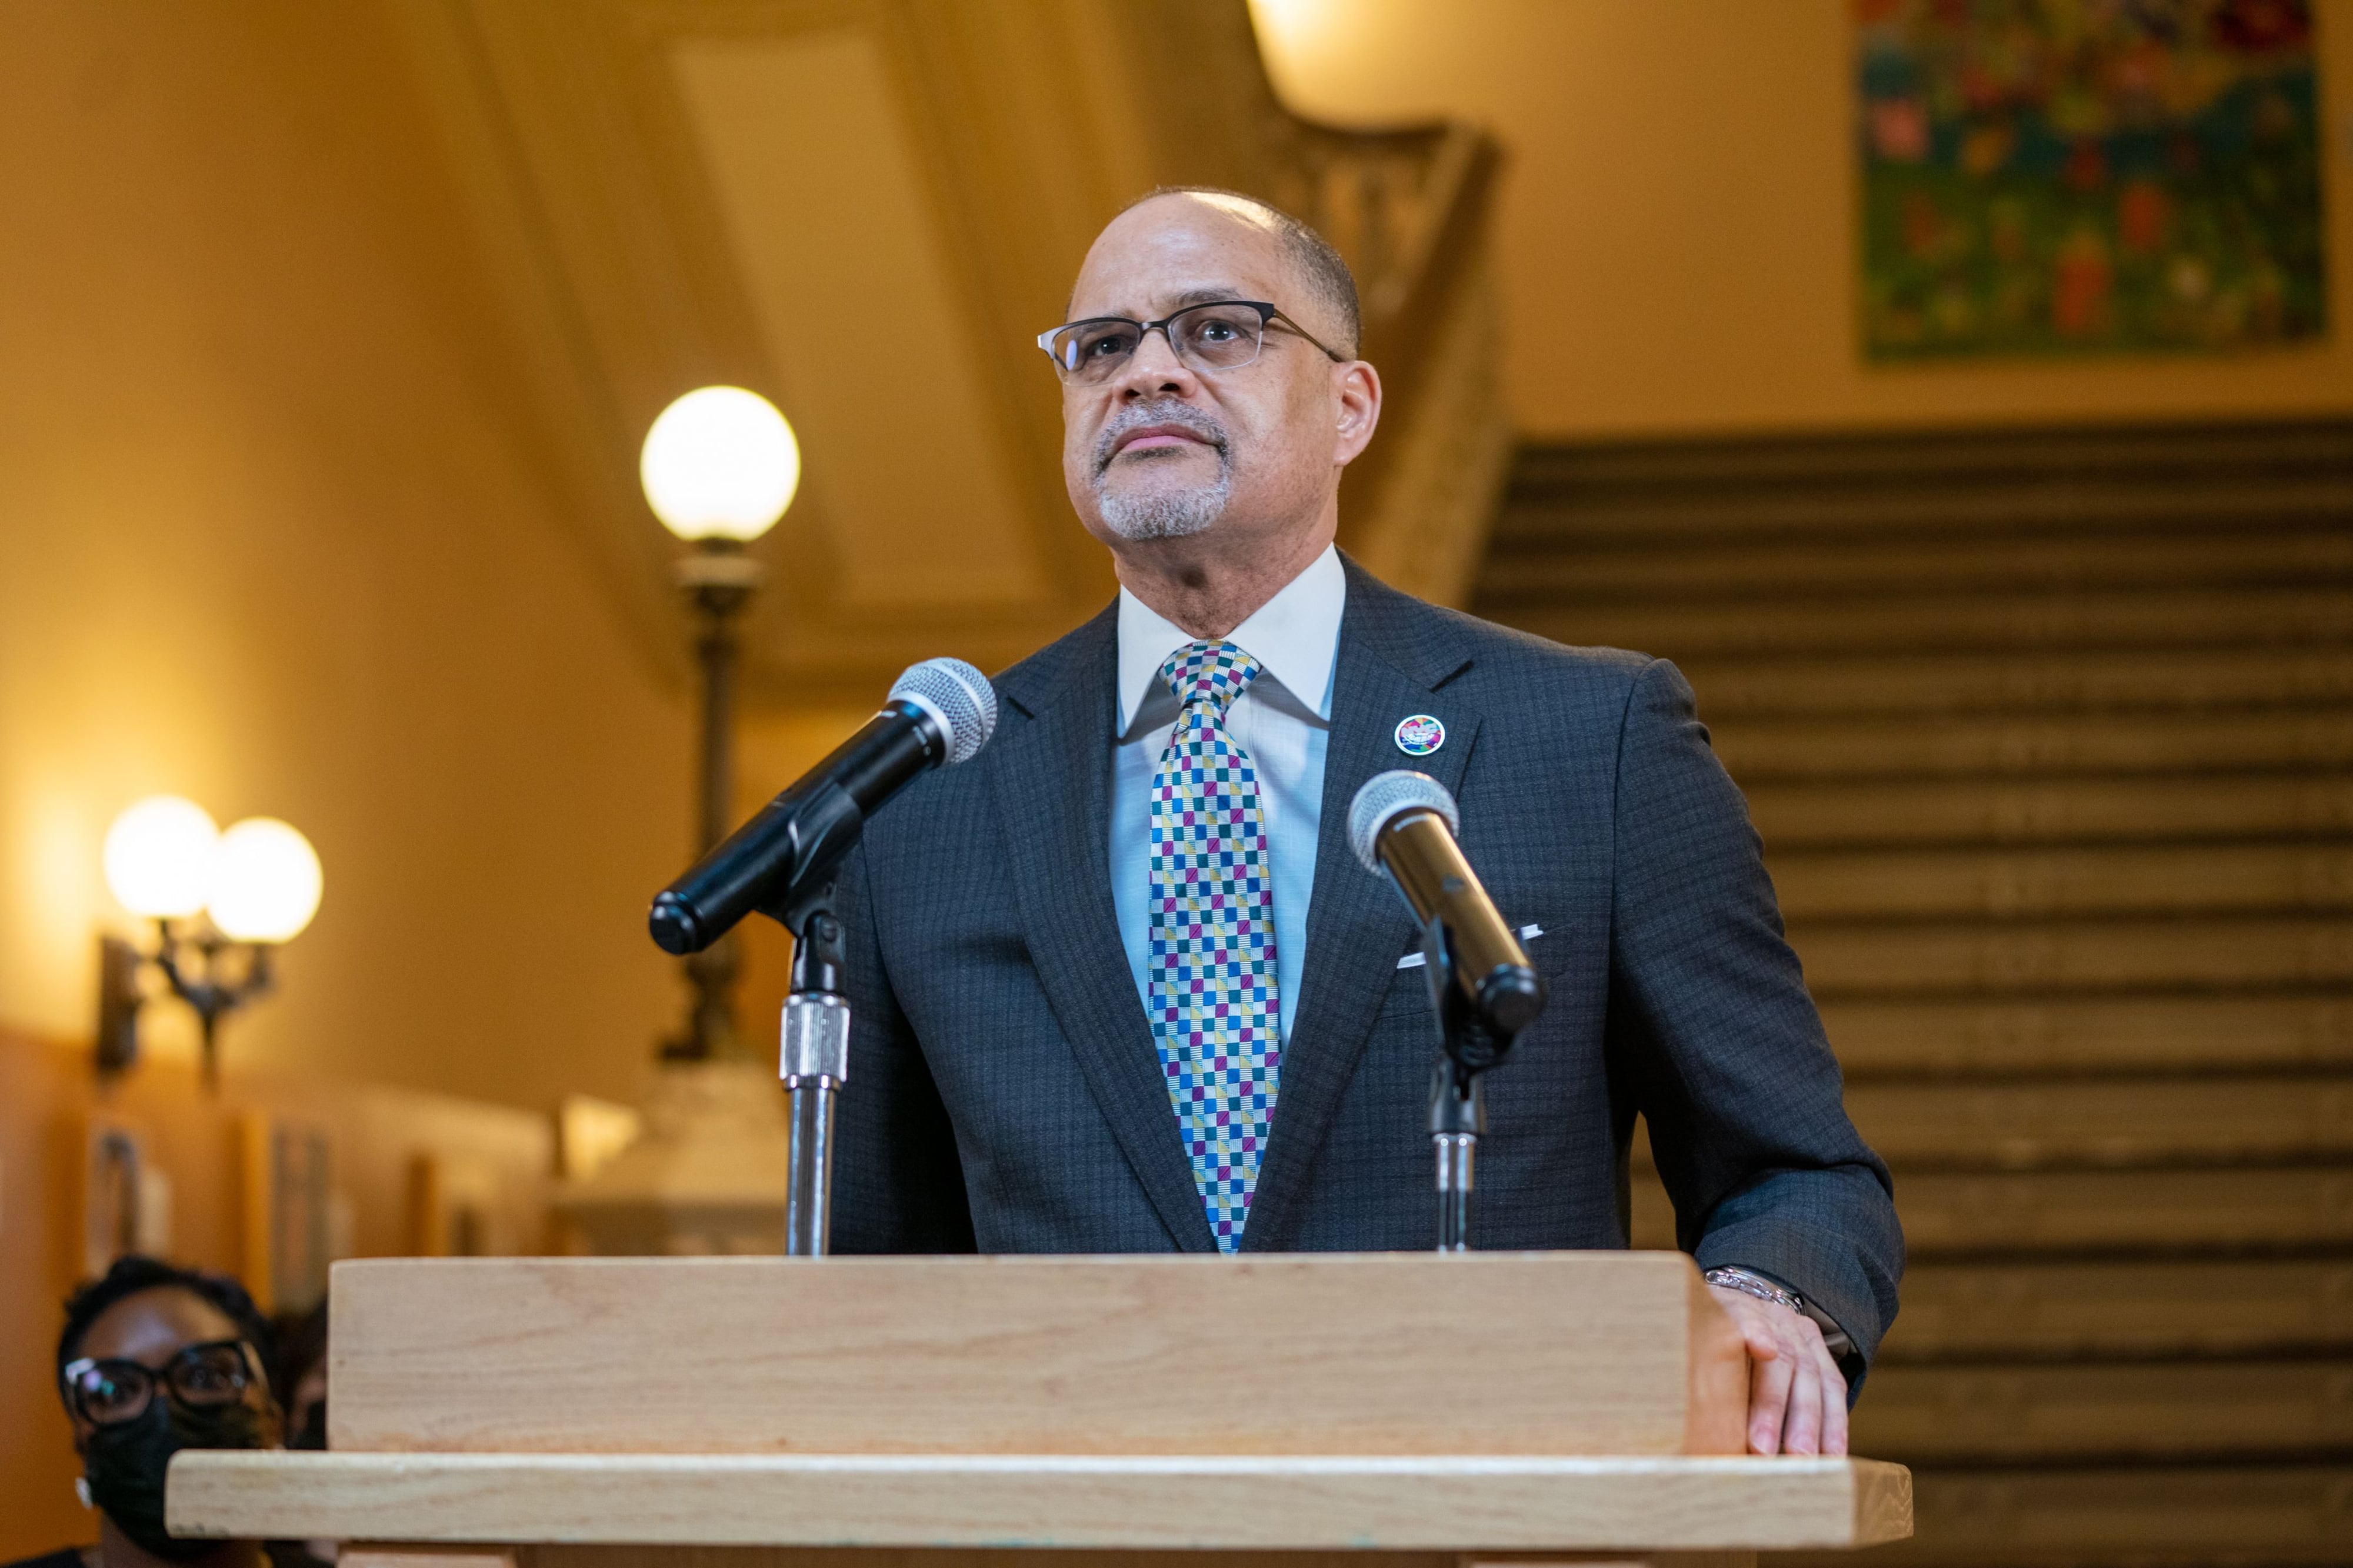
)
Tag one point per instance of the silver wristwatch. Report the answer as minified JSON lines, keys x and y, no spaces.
{"x":1750,"y":1283}
{"x":1756,"y":1284}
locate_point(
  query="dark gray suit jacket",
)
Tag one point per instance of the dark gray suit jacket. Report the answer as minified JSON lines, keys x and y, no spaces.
{"x":1005,"y":1093}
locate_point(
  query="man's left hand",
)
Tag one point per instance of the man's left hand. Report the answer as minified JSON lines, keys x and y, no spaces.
{"x":1797,"y":1396}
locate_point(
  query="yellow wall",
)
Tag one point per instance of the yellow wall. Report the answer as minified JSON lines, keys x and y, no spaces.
{"x":274,"y":535}
{"x":1676,"y":239}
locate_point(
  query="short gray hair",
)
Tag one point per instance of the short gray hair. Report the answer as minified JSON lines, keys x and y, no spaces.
{"x":1325,"y":268}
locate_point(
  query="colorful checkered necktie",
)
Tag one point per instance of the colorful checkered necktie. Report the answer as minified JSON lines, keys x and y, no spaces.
{"x":1216,"y":1008}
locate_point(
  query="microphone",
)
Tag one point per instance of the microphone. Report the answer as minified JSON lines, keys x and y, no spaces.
{"x":940,"y":712}
{"x":1402,"y":825}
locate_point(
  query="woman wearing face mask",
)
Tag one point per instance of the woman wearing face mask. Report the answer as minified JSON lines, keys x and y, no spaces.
{"x":155,"y":1359}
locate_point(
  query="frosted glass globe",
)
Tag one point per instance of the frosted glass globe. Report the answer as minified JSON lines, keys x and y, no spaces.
{"x":160,"y":857}
{"x":720,"y":463}
{"x":268,"y":885}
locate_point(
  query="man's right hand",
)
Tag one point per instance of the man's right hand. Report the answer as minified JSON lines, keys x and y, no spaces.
{"x":1796,"y":1395}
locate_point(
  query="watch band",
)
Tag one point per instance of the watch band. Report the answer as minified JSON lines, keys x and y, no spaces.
{"x":1750,"y":1283}
{"x":1756,"y":1285}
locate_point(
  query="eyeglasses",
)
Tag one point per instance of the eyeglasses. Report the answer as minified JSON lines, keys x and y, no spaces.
{"x":1222,"y":335}
{"x":108,"y":1392}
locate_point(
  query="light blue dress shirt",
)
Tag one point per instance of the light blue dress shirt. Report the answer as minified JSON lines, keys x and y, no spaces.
{"x":1283,"y":720}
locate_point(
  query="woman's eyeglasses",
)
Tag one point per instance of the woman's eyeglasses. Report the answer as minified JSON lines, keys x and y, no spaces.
{"x":107,"y":1393}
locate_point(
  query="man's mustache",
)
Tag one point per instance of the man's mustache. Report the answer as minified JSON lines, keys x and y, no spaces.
{"x":1138,"y":415}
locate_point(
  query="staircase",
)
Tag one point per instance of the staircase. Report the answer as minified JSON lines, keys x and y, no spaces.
{"x":2049,"y":739}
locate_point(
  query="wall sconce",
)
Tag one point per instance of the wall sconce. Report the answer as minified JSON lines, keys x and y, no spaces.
{"x":719,"y":467}
{"x":222,"y":903}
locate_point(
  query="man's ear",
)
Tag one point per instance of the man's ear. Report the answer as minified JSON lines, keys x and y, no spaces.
{"x":1357,"y":387}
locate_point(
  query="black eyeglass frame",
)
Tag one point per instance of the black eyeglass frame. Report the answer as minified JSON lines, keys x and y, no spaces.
{"x":164,"y":1378}
{"x":1267,"y":315}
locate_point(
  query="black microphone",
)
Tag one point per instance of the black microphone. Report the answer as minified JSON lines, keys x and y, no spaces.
{"x":1402,"y":825}
{"x":940,"y":712}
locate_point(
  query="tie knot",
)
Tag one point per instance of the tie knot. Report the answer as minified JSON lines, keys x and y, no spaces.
{"x":1211,"y":672}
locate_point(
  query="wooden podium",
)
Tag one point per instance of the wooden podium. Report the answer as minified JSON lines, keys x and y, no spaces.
{"x":897,"y":1413}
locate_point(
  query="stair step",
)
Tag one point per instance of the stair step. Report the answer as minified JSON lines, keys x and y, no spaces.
{"x":2162,"y":1410}
{"x":1589,"y":510}
{"x":2073,"y":1035}
{"x":2108,"y":1121}
{"x":2144,"y":460}
{"x":2112,"y":1310}
{"x":1875,"y":958}
{"x":2154,"y":1516}
{"x":2131,"y":1213}
{"x":2078,"y":1123}
{"x":1521,"y":571}
{"x":1759,"y":750}
{"x":1975,"y":480}
{"x":1954,"y":811}
{"x":2167,"y":879}
{"x":1684,"y":626}
{"x":1913,"y":686}
{"x":1566,"y":519}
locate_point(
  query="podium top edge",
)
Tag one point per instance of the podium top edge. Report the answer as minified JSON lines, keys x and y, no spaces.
{"x":996,"y":1501}
{"x":1608,"y":1256}
{"x":1790,"y":1469}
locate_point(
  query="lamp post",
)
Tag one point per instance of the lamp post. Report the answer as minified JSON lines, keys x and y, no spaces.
{"x":222,"y":904}
{"x":719,"y":467}
{"x":710,"y":1172}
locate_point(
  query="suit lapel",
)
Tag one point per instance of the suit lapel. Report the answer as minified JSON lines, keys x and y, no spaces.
{"x":1050,"y":772}
{"x":1393,"y":654}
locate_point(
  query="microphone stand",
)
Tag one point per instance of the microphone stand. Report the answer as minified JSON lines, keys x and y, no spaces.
{"x":1457,"y":1103}
{"x":813,"y":1062}
{"x":1458,"y":1114}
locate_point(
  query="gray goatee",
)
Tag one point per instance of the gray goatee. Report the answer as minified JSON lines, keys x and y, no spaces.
{"x":1162,"y":514}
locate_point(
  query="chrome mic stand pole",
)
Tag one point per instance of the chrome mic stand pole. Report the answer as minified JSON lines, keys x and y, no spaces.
{"x":1458,"y":1100}
{"x":1458,"y":1114}
{"x":814,"y":1062}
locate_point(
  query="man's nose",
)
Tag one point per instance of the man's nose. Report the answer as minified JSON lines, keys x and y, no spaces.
{"x":1154,"y":370}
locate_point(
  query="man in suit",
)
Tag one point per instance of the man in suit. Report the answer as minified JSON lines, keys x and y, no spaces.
{"x":1119,"y":984}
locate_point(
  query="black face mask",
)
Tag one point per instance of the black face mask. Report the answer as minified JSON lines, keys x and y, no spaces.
{"x":125,"y":1465}
{"x":312,"y":1433}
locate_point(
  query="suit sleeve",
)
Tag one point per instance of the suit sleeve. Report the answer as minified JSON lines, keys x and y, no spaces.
{"x":898,"y":1185}
{"x":1711,"y":1022}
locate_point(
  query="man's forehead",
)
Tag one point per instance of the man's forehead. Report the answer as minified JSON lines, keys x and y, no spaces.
{"x":1178,"y":250}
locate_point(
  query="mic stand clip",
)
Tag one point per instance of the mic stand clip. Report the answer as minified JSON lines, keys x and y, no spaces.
{"x":1468,"y":1046}
{"x":813,"y":1060}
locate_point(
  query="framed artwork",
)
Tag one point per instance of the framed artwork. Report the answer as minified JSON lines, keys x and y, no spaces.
{"x":126,"y":1199}
{"x":289,"y":1221}
{"x":2086,"y":176}
{"x":455,"y":1207}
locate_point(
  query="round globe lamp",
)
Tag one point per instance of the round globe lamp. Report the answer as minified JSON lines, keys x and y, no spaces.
{"x":161,"y":856}
{"x":718,"y":467}
{"x":720,"y":464}
{"x":256,"y":886}
{"x":266,"y":884}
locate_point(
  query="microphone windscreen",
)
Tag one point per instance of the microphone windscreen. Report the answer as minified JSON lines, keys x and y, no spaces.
{"x":956,"y":694}
{"x":1386,"y":795}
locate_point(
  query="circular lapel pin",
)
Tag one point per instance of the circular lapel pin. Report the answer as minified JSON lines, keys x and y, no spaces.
{"x":1419,"y":735}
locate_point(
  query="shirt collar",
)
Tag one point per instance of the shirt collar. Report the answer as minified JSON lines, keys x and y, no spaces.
{"x":1294,"y":636}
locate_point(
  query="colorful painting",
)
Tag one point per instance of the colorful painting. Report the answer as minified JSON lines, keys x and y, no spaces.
{"x":2067,"y":177}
